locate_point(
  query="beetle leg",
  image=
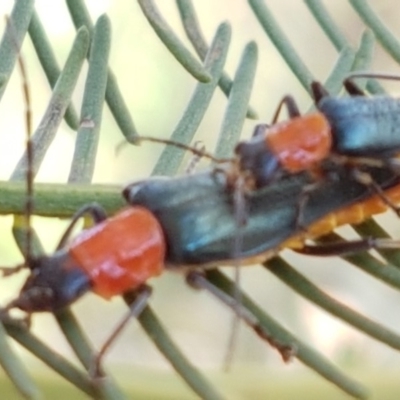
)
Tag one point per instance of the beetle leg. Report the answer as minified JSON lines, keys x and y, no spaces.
{"x":342,"y":248}
{"x":259,"y":130}
{"x":142,"y":295}
{"x":318,"y":91}
{"x":366,"y":179}
{"x":304,"y":196}
{"x":95,"y":211}
{"x":352,"y":88}
{"x":198,"y":281}
{"x":292,"y":109}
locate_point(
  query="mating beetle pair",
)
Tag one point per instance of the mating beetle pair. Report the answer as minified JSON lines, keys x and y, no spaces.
{"x":190,"y":222}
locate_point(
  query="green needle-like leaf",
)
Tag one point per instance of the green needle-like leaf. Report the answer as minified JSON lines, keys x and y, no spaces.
{"x":303,"y":286}
{"x":115,"y":101}
{"x":172,"y":42}
{"x":58,"y":200}
{"x":238,"y":101}
{"x":11,"y":42}
{"x":282,"y":336}
{"x":195,"y":35}
{"x":326,"y":22}
{"x":84,"y":159}
{"x":16,"y":370}
{"x":59,"y":102}
{"x":171,"y":157}
{"x":385,"y":37}
{"x":282,"y":43}
{"x":49,"y":63}
{"x":161,"y":339}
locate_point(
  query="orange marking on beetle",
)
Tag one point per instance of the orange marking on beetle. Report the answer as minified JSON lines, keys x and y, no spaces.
{"x":117,"y":257}
{"x":351,"y":215}
{"x":300,"y":142}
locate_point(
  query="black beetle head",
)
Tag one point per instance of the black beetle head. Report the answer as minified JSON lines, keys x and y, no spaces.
{"x":54,"y":283}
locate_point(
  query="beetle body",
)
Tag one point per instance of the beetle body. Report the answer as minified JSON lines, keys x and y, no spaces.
{"x":189,"y":222}
{"x":363,"y":126}
{"x":355,"y":126}
{"x":197,"y":216}
{"x":120,"y":253}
